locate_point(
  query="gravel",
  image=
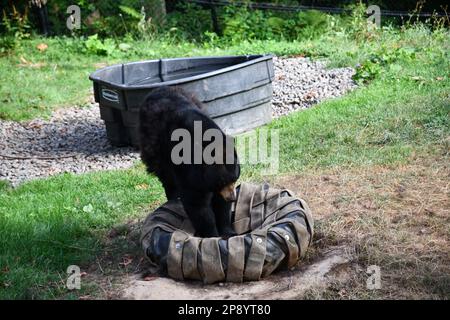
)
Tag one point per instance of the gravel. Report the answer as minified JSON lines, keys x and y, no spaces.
{"x":74,"y":139}
{"x":300,"y":83}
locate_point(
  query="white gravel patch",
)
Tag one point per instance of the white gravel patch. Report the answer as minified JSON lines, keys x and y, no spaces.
{"x":74,"y":139}
{"x":300,"y":83}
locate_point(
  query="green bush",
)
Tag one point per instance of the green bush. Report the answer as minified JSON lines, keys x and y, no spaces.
{"x":189,"y":22}
{"x":14,"y":26}
{"x":8,"y":44}
{"x":376,"y":64}
{"x":310,"y":24}
{"x":241,"y":23}
{"x":94,"y":45}
{"x":15,"y":22}
{"x":105,"y":18}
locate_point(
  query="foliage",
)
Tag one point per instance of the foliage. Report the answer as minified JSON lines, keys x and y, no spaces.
{"x":15,"y":27}
{"x":8,"y":44}
{"x":309,"y":24}
{"x":96,"y":46}
{"x":379,"y":60}
{"x":15,"y":23}
{"x":189,"y":22}
{"x":241,"y":23}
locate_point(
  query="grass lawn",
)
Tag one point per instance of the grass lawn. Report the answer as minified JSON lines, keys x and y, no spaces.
{"x":399,"y":119}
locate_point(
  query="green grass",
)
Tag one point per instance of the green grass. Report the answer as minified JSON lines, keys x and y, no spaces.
{"x":46,"y":225}
{"x":381,"y":124}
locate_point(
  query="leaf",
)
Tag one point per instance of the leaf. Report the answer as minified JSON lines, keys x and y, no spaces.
{"x":124,"y":46}
{"x":395,"y":67}
{"x":113,"y":205}
{"x":131,"y":12}
{"x":418,"y":78}
{"x":88,"y":209}
{"x":42,"y":47}
{"x":71,"y":209}
{"x":276,"y":23}
{"x":142,"y":186}
{"x":126,"y":261}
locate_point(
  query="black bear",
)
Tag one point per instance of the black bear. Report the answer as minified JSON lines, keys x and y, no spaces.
{"x":205,"y":187}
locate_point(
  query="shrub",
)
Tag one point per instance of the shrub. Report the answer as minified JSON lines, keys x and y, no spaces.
{"x":15,"y":23}
{"x":189,"y":22}
{"x":308,"y":24}
{"x":96,"y":46}
{"x":379,"y":60}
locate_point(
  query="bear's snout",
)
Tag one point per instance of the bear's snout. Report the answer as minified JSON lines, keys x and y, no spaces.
{"x":228,"y":193}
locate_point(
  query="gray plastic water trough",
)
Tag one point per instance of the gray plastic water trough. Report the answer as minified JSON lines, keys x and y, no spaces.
{"x":236,"y":90}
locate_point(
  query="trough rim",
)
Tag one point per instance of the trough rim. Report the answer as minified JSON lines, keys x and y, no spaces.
{"x":94,"y":77}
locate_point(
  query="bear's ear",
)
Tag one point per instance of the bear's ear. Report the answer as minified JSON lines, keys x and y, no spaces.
{"x":197,"y":102}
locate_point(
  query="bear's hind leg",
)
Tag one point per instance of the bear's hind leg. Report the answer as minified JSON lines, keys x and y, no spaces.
{"x":169,"y":184}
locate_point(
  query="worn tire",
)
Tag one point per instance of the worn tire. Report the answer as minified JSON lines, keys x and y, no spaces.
{"x":274,"y":231}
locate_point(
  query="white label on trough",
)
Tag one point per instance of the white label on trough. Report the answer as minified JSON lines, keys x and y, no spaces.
{"x":110,"y":95}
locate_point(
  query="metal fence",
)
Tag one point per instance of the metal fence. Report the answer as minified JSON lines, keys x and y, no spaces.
{"x":297,"y":8}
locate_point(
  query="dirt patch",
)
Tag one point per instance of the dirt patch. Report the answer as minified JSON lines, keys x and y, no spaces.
{"x":395,"y":217}
{"x":284,"y":285}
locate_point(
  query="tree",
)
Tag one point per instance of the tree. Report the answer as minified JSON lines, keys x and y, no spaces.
{"x":156,"y":9}
{"x":41,"y":13}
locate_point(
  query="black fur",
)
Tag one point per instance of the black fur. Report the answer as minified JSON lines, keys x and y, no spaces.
{"x":197,"y":185}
